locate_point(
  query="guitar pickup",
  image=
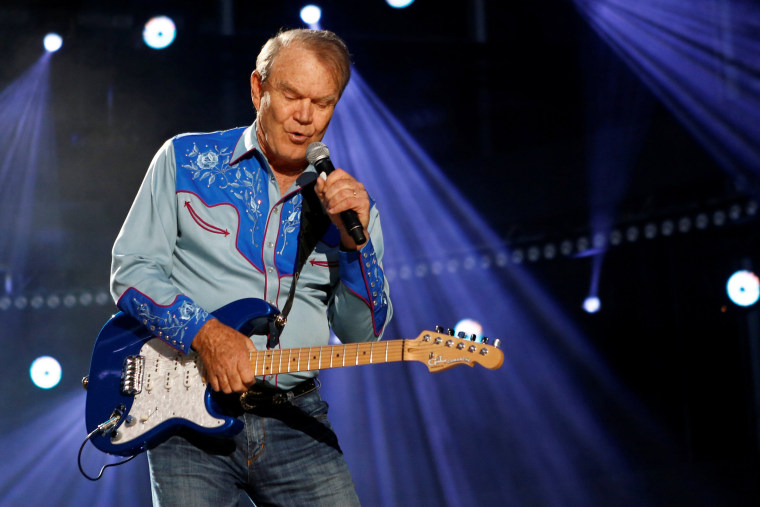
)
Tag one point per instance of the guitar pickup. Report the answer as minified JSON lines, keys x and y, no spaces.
{"x":132,"y":375}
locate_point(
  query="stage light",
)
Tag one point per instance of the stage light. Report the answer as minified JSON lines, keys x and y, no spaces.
{"x":52,"y":42}
{"x":743,"y":288}
{"x":719,"y":218}
{"x":550,"y":251}
{"x":518,"y":256}
{"x":399,"y":4}
{"x":632,"y":233}
{"x":702,"y":221}
{"x":684,"y":224}
{"x":311,"y":14}
{"x":469,"y":327}
{"x":159,"y":32}
{"x":45,"y":372}
{"x":616,"y":237}
{"x":592,"y":304}
{"x":667,"y":227}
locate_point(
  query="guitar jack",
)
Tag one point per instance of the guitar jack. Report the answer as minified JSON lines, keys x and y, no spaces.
{"x":104,"y":428}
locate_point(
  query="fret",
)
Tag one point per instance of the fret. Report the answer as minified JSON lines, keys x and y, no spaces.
{"x":270,"y":362}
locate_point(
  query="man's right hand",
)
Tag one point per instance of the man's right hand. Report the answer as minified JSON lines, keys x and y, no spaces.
{"x":225,"y":354}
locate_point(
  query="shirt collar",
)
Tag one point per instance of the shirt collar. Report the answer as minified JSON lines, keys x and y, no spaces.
{"x":248,"y":143}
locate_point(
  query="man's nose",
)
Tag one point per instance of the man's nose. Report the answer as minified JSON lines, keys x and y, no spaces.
{"x":304,"y":111}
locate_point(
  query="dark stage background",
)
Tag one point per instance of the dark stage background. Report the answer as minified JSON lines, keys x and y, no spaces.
{"x":651,"y":401}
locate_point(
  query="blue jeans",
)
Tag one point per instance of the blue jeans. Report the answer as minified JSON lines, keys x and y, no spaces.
{"x":288,"y":455}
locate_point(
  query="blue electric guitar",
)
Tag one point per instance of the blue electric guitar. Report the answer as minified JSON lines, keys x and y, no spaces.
{"x":140,"y":390}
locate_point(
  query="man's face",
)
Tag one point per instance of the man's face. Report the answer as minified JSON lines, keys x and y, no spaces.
{"x":294,"y":106}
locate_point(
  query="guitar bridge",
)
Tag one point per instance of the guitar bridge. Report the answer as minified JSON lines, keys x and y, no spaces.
{"x":132,"y":375}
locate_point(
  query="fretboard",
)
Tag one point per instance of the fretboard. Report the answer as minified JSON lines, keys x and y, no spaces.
{"x":272,"y":362}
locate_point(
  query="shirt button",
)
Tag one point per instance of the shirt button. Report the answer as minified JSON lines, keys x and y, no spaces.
{"x":270,"y":244}
{"x":270,"y":269}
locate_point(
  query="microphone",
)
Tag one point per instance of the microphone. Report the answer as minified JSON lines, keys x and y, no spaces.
{"x":319,"y":156}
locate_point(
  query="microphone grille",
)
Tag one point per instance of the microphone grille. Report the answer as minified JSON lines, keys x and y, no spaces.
{"x":316,"y":152}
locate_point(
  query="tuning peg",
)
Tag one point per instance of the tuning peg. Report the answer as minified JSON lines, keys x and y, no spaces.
{"x":497,"y":343}
{"x":450,"y":332}
{"x":439,"y":329}
{"x":485,"y":340}
{"x":473,"y":337}
{"x":461,"y":334}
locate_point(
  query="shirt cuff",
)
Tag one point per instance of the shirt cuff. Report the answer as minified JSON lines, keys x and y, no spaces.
{"x":176,"y":323}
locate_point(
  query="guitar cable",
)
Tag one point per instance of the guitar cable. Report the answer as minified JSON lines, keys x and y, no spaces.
{"x":103,"y":429}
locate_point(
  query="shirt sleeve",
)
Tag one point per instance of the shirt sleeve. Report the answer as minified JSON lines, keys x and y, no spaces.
{"x":142,"y":258}
{"x":361,"y":306}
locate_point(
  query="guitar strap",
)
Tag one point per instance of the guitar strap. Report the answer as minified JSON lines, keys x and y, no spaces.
{"x":314,"y":225}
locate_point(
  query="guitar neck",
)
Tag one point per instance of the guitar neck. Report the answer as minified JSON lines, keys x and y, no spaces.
{"x":272,"y":362}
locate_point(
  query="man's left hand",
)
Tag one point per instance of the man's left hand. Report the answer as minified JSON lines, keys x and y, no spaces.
{"x":341,"y":192}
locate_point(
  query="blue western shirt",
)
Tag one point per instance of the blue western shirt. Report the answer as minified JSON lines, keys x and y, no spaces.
{"x":209,"y":226}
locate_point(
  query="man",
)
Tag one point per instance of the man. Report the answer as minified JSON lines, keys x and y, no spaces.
{"x":217,"y":219}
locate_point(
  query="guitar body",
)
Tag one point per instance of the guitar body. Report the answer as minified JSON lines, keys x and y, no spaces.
{"x":155,"y":388}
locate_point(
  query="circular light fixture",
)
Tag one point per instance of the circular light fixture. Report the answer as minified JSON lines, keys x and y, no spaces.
{"x":52,"y":42}
{"x":45,"y":372}
{"x":159,"y":32}
{"x":399,"y":4}
{"x":592,"y":304}
{"x":311,"y":14}
{"x":743,"y":288}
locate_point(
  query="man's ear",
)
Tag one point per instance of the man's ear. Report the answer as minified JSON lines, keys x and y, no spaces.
{"x":256,"y":89}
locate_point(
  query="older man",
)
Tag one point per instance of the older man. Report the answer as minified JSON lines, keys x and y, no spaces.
{"x":217,"y":219}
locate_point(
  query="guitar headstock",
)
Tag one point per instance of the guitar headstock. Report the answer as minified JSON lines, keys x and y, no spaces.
{"x":441,"y":351}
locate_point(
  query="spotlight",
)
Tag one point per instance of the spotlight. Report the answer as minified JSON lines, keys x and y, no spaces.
{"x":599,"y":240}
{"x":719,"y":218}
{"x":311,"y":14}
{"x":52,"y":42}
{"x":632,"y":233}
{"x":702,"y":221}
{"x":518,"y":256}
{"x":743,"y":288}
{"x":735,"y":212}
{"x":582,"y":244}
{"x":616,"y":237}
{"x":45,"y":372}
{"x":684,"y":224}
{"x":534,"y":253}
{"x":667,"y":228}
{"x":592,"y":304}
{"x":650,"y":231}
{"x":399,"y":4}
{"x":159,"y":32}
{"x":751,"y":208}
{"x":469,"y":327}
{"x":566,"y":247}
{"x":550,"y":251}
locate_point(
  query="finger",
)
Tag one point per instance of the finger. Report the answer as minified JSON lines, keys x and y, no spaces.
{"x":224,"y":384}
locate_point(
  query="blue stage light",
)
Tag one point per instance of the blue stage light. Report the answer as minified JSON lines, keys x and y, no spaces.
{"x":743,"y":288}
{"x":469,"y":327}
{"x":399,"y":4}
{"x":592,"y":304}
{"x":52,"y":42}
{"x":159,"y":32}
{"x":45,"y":372}
{"x":311,"y":14}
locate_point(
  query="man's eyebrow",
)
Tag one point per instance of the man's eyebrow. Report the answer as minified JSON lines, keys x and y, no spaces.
{"x":285,"y":87}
